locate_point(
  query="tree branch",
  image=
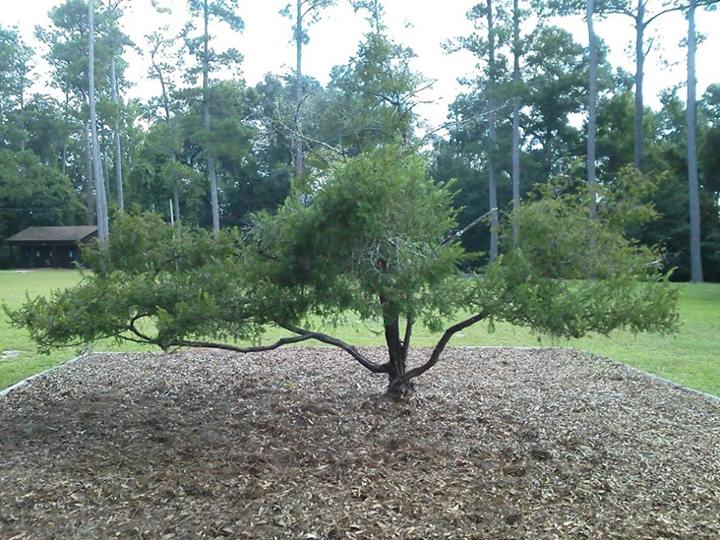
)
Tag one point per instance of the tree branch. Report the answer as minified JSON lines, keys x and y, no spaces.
{"x":457,"y":235}
{"x":437,"y":351}
{"x":406,"y":338}
{"x":227,"y":347}
{"x":324,"y":338}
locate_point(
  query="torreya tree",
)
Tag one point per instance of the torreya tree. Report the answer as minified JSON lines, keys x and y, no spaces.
{"x":221,"y":11}
{"x":378,"y":242}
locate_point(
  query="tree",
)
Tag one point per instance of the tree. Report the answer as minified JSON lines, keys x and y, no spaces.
{"x":163,"y":65}
{"x":517,"y":53}
{"x":15,"y":58}
{"x":592,"y":102}
{"x":117,"y":41}
{"x":100,"y":193}
{"x":642,"y":18}
{"x":696,"y":273}
{"x":307,"y":12}
{"x":67,"y":41}
{"x":223,"y":11}
{"x":33,"y":193}
{"x":485,"y":47}
{"x":377,"y":242}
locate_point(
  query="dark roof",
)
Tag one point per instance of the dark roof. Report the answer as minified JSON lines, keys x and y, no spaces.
{"x":53,"y":234}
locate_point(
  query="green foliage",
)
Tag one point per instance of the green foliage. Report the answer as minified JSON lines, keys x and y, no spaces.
{"x":186,"y":284}
{"x":371,"y":235}
{"x":571,"y":275}
{"x":373,"y":242}
{"x":33,"y":193}
{"x":372,"y":97}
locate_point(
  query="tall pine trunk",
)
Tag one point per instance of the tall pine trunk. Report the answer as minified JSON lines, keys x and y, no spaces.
{"x":100,"y":195}
{"x":214,"y":203}
{"x":171,"y":137}
{"x":88,"y":188}
{"x":116,"y":136}
{"x":516,"y":117}
{"x":65,"y":138}
{"x":639,"y":75}
{"x":492,"y":179}
{"x":696,"y":273}
{"x":298,"y":143}
{"x":592,"y":104}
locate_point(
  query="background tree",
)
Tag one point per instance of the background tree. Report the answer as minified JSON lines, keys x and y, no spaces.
{"x":101,"y":208}
{"x":592,"y":102}
{"x":696,"y":273}
{"x":15,"y":66}
{"x":32,"y":193}
{"x":484,"y":47}
{"x":306,"y":13}
{"x":222,"y":11}
{"x":117,"y":41}
{"x":517,"y":53}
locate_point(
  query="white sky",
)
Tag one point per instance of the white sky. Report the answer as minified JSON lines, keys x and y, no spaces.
{"x":420,"y":24}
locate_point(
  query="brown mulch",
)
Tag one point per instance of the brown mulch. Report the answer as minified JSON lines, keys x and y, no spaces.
{"x":302,"y":444}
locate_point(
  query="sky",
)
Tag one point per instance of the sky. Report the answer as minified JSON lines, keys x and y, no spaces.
{"x":421,"y":24}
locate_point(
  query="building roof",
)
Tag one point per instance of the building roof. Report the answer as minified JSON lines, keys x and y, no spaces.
{"x":53,"y":234}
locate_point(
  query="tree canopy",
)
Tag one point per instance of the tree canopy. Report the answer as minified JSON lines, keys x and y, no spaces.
{"x":377,"y":242}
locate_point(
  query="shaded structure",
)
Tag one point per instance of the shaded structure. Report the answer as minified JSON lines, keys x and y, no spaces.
{"x":51,"y":247}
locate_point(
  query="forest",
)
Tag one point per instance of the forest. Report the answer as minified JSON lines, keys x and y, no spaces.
{"x":210,"y":150}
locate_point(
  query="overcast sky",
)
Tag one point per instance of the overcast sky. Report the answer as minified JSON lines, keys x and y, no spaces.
{"x":420,"y":24}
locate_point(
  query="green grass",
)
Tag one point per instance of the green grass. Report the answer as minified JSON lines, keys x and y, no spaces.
{"x":14,"y":286}
{"x":690,"y":358}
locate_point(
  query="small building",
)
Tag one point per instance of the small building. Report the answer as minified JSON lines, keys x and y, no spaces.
{"x":51,"y":247}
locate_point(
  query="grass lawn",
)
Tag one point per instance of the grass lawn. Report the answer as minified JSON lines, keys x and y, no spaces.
{"x":691,"y":357}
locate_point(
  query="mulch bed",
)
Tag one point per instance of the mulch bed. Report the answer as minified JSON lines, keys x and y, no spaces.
{"x":301,"y":443}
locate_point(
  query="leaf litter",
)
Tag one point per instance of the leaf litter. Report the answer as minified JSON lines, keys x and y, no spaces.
{"x":302,"y":443}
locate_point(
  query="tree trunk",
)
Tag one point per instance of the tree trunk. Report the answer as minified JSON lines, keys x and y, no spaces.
{"x":176,"y":202}
{"x":214,"y":203}
{"x":116,"y":136}
{"x":397,"y":349}
{"x":492,"y":180}
{"x":88,"y":187}
{"x":639,"y":74}
{"x":171,"y":137}
{"x":298,"y":143}
{"x":65,"y":141}
{"x":696,"y":272}
{"x":100,"y":197}
{"x":592,"y":105}
{"x":516,"y":117}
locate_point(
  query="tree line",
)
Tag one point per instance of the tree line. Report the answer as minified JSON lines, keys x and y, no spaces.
{"x":211,"y":150}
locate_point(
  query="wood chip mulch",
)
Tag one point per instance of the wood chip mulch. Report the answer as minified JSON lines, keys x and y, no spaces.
{"x":301,"y":443}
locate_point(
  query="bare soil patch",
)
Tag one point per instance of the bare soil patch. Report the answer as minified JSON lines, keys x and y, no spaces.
{"x":301,"y":443}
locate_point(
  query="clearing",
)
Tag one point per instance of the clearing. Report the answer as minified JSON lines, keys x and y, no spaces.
{"x":301,"y":443}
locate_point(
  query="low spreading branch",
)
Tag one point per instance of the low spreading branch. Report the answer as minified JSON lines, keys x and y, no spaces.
{"x":324,"y":338}
{"x":226,"y":347}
